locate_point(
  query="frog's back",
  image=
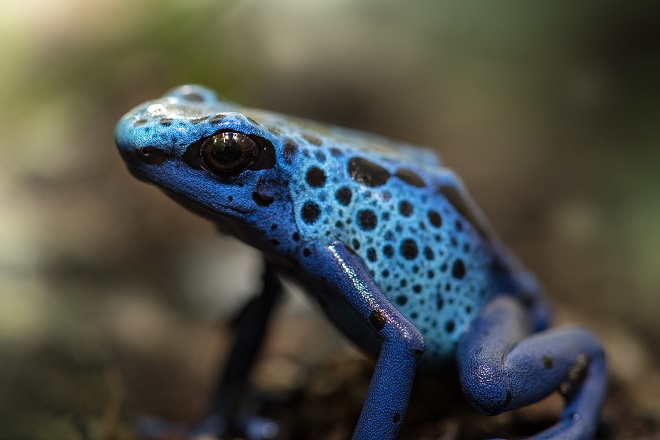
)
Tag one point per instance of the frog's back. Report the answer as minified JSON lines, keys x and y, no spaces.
{"x":425,"y":243}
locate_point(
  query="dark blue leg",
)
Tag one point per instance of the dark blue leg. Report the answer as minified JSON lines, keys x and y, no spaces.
{"x":401,"y":342}
{"x":225,"y":412}
{"x":503,"y":367}
{"x":250,"y":327}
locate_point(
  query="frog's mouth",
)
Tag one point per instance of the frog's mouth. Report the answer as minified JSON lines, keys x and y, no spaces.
{"x":205,"y":211}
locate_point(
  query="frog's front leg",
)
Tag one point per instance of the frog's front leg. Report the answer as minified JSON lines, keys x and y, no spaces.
{"x":401,"y":344}
{"x":224,"y":414}
{"x":250,"y":328}
{"x":503,"y":367}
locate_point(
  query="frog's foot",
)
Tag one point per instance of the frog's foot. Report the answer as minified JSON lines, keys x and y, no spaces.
{"x":254,"y":427}
{"x":502,"y":367}
{"x":248,"y":426}
{"x":154,"y":428}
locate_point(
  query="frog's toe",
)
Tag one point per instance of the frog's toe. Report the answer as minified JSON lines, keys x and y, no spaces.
{"x":211,"y":426}
{"x":249,"y":427}
{"x":154,"y":428}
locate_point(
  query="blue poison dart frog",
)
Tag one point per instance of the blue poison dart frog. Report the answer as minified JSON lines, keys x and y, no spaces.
{"x":385,"y":239}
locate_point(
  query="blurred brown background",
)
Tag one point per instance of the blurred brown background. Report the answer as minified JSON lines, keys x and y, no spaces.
{"x":109,"y":292}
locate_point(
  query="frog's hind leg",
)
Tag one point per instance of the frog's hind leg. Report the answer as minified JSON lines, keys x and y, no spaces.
{"x":503,"y":367}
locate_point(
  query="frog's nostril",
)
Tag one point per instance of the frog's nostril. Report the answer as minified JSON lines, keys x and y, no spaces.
{"x":152,"y":155}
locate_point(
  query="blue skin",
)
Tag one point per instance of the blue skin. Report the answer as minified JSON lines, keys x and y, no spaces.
{"x":388,"y":242}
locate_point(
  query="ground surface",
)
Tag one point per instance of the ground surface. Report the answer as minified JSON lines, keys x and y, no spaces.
{"x":308,"y":380}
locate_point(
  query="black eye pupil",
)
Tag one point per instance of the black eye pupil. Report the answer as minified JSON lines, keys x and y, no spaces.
{"x":226,"y":148}
{"x":228,"y":152}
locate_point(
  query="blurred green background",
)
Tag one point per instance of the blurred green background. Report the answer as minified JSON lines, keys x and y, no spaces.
{"x":548,"y":110}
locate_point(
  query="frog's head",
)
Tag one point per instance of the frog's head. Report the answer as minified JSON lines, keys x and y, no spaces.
{"x":206,"y":154}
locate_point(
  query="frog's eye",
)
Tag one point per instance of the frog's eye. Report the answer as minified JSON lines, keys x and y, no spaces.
{"x":228,"y":152}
